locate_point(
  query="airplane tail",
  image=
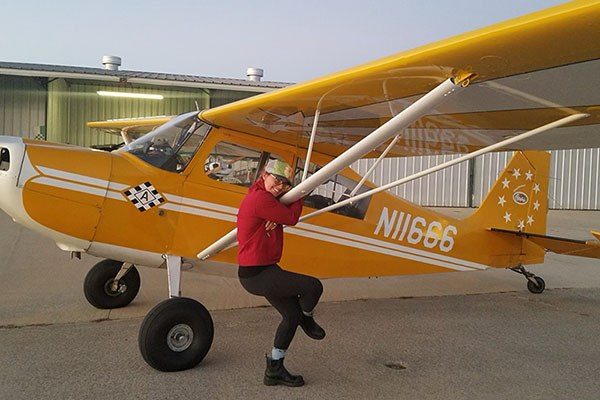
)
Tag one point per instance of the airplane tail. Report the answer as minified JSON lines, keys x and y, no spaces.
{"x":518,"y":201}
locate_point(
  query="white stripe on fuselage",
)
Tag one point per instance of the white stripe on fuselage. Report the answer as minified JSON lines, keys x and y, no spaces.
{"x":217,"y":211}
{"x":82,"y":178}
{"x":331,"y":235}
{"x":45,"y":180}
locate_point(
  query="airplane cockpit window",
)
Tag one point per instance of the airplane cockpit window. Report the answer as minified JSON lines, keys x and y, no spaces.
{"x":334,"y":190}
{"x":4,"y":159}
{"x":233,"y":163}
{"x":171,"y":146}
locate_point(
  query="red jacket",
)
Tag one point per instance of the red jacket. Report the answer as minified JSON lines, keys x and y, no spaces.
{"x":256,"y":246}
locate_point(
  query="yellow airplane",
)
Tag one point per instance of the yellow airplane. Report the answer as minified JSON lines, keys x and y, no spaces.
{"x":170,"y":197}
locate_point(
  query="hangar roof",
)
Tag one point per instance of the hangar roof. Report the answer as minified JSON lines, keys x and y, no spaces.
{"x":140,"y":77}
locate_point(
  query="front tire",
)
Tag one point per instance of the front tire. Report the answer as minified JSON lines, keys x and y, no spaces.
{"x":101,"y":291}
{"x":176,"y":335}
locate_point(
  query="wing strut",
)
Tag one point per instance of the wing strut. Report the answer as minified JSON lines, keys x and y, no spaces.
{"x":387,"y":149}
{"x":375,"y":164}
{"x":313,"y":133}
{"x":125,"y":135}
{"x":379,"y":136}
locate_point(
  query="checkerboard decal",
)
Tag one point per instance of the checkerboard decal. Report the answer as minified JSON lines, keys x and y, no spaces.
{"x":144,"y":196}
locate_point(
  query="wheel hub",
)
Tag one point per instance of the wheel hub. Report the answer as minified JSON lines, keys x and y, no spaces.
{"x":180,"y":337}
{"x":114,"y":288}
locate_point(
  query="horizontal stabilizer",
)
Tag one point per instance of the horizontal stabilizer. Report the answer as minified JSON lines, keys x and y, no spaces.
{"x":581,"y":248}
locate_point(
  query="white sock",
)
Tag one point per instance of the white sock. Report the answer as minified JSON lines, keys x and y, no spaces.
{"x":277,"y":354}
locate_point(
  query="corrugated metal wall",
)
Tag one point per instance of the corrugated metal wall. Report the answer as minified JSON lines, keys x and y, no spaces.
{"x":574,"y":179}
{"x":72,"y":104}
{"x":486,"y":170}
{"x":446,"y":188}
{"x":221,"y":97}
{"x":22,"y":106}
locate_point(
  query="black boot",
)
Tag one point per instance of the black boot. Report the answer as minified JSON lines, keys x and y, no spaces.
{"x":311,"y":328}
{"x":276,"y":374}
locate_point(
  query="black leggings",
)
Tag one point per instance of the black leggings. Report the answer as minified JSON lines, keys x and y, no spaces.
{"x":288,"y":292}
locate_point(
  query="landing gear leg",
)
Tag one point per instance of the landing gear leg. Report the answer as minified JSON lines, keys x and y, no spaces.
{"x":535,"y":284}
{"x":177,"y":333}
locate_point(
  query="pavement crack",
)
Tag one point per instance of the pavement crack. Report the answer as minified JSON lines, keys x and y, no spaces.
{"x":12,"y":326}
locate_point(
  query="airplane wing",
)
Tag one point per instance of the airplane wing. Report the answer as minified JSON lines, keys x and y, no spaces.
{"x":529,"y":71}
{"x":130,"y":128}
{"x":581,"y":248}
{"x":525,"y":73}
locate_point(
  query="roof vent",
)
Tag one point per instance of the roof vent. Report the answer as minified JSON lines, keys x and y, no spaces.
{"x":111,"y":62}
{"x":254,"y":74}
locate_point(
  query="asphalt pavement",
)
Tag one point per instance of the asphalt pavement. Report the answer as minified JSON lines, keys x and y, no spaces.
{"x":489,"y":346}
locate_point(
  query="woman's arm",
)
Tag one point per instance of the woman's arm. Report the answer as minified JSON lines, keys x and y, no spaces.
{"x":269,"y":208}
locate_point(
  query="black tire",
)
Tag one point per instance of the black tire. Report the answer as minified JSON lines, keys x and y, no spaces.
{"x":156,"y":338}
{"x":98,"y":290}
{"x":537,"y":287}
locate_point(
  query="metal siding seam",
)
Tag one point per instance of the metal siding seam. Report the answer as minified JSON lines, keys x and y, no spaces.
{"x":590,"y":183}
{"x":584,"y":188}
{"x":576,"y":199}
{"x":561,"y":193}
{"x":562,"y":181}
{"x":2,"y":107}
{"x":569,"y":172}
{"x":10,"y":107}
{"x":552,"y":180}
{"x":389,"y":170}
{"x":597,"y":204}
{"x":443,"y":191}
{"x":437,"y":193}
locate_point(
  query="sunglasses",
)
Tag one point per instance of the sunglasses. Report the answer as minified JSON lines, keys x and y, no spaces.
{"x":281,"y":182}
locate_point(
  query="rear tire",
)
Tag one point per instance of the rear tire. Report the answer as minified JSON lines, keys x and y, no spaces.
{"x":176,"y":335}
{"x":537,"y":287}
{"x":98,"y":285}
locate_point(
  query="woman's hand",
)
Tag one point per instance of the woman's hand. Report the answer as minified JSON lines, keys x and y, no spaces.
{"x":270,"y":225}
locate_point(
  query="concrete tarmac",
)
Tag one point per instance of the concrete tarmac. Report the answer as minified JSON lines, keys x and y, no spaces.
{"x":490,"y":346}
{"x":460,"y":335}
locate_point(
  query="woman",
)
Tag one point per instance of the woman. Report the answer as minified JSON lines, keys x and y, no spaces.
{"x":260,"y":243}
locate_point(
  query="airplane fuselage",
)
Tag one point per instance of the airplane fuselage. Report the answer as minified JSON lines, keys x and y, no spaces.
{"x":117,"y":206}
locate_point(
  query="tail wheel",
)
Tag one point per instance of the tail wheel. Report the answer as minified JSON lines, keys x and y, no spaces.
{"x":176,"y":335}
{"x":102,"y":291}
{"x":538,"y":286}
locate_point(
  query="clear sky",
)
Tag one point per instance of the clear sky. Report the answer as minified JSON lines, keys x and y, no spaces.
{"x":291,"y":40}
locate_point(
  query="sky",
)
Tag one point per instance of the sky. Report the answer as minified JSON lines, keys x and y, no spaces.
{"x":292,"y":41}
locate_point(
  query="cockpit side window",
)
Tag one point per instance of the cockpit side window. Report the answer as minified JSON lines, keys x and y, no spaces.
{"x":171,"y":146}
{"x":334,"y":190}
{"x":236,"y":164}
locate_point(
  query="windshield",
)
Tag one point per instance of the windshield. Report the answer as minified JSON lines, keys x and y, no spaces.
{"x":171,"y":146}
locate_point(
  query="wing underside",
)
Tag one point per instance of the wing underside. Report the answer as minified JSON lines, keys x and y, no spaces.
{"x":528,"y":72}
